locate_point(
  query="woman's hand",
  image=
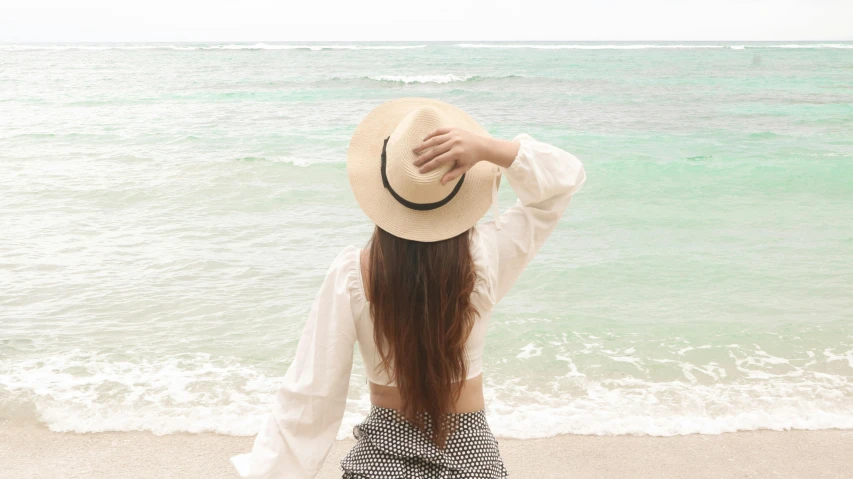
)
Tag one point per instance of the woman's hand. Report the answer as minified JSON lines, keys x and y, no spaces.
{"x":462,"y":149}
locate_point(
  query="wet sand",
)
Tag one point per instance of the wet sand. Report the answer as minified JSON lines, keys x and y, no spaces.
{"x":34,"y":452}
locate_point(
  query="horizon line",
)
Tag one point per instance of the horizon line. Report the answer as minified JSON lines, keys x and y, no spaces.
{"x":423,"y":41}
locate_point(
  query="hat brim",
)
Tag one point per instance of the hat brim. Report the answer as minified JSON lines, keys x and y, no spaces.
{"x":364,"y":172}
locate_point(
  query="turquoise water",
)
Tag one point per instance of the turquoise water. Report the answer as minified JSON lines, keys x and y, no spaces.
{"x":169,"y":211}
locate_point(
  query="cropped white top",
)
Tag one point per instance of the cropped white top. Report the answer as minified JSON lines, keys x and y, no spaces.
{"x":296,"y":437}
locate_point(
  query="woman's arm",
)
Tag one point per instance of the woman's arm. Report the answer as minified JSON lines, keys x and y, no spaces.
{"x":297,"y":435}
{"x":543,"y":176}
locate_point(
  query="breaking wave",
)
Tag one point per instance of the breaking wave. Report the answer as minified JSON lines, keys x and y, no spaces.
{"x":84,"y":391}
{"x":236,"y":46}
{"x":647,"y":46}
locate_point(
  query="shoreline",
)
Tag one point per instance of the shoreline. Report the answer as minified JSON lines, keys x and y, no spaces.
{"x":33,"y":451}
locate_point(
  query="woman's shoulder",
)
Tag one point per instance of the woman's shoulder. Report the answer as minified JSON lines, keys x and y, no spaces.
{"x":348,"y":256}
{"x":483,"y":255}
{"x":346,"y":267}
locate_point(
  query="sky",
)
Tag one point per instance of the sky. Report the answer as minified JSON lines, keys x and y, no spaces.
{"x":433,"y":20}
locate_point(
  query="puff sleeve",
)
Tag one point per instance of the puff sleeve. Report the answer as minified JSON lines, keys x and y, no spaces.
{"x":308,"y":407}
{"x":544,"y":178}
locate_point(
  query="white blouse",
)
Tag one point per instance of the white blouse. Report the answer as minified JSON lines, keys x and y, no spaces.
{"x":297,"y":435}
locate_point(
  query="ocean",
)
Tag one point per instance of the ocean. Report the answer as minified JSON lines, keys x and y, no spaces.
{"x":169,"y":211}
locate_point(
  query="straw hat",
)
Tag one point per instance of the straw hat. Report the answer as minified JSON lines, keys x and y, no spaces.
{"x":394,"y":194}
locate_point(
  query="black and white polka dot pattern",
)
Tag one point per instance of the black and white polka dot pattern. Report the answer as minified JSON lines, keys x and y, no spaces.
{"x":389,"y":447}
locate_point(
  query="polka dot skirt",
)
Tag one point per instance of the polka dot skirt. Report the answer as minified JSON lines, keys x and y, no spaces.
{"x":389,"y":447}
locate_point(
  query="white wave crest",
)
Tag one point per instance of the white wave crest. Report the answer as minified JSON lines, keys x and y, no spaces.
{"x":265,"y":46}
{"x":83,"y":392}
{"x":448,"y":78}
{"x":87,"y":47}
{"x":93,"y":392}
{"x":256,"y":46}
{"x":581,"y":46}
{"x":648,"y":46}
{"x":807,"y":45}
{"x":275,"y":46}
{"x":637,"y":407}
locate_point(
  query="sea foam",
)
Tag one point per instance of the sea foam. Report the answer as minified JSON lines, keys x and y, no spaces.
{"x":447,"y":78}
{"x":234,"y":46}
{"x":308,"y":47}
{"x":582,"y":46}
{"x":93,"y":392}
{"x":561,"y":46}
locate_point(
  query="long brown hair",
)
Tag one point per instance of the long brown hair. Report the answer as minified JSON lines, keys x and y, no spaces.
{"x":420,"y":300}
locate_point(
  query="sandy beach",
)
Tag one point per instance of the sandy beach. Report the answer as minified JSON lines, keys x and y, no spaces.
{"x":35,"y":452}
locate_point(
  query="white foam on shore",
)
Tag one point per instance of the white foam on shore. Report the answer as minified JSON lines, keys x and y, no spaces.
{"x":83,"y":392}
{"x":637,"y":407}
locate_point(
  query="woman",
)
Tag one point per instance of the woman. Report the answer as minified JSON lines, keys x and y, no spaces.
{"x":417,"y":299}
